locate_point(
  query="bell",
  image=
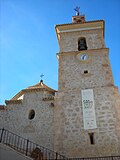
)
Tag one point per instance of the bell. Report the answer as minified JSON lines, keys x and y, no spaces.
{"x":82,"y":44}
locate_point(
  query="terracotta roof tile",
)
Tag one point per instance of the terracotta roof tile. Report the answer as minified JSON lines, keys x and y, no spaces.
{"x":37,"y":87}
{"x":42,"y":86}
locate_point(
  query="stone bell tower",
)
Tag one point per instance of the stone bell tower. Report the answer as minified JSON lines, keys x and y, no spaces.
{"x":87,"y":105}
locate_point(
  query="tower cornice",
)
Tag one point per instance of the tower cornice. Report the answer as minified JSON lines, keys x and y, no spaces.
{"x":75,"y":27}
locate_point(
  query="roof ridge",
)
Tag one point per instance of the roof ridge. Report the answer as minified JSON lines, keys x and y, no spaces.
{"x":37,"y":87}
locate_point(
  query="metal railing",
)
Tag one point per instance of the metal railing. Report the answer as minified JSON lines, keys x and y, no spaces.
{"x":27,"y":147}
{"x":36,"y":151}
{"x":97,"y":158}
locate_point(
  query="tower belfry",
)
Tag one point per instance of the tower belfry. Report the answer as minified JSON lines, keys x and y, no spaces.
{"x":86,"y":103}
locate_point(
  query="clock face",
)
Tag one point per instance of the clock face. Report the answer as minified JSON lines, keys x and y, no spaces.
{"x":84,"y":57}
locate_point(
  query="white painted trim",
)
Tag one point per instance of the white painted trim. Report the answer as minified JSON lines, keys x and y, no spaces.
{"x":80,"y":29}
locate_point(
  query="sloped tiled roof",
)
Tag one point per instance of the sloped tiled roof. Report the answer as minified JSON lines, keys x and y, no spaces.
{"x":41,"y":85}
{"x":37,"y":87}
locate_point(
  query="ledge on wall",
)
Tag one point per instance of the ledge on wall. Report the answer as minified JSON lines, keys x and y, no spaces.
{"x":13,"y":101}
{"x":48,"y":98}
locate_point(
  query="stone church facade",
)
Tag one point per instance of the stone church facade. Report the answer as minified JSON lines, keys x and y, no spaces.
{"x":82,"y":118}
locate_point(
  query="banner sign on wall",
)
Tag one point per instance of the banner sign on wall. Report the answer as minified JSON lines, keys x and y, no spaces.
{"x":89,"y":117}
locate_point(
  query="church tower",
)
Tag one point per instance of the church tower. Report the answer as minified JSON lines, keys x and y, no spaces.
{"x":87,"y":105}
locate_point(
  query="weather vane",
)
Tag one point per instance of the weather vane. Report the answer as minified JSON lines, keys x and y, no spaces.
{"x":77,"y":9}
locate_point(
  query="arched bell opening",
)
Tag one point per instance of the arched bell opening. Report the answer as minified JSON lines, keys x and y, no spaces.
{"x":82,"y":45}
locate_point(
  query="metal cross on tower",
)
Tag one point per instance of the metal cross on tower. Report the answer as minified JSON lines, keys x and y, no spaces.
{"x":42,"y":75}
{"x":77,"y":9}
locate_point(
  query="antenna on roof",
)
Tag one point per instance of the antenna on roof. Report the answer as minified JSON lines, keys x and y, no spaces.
{"x":41,"y":76}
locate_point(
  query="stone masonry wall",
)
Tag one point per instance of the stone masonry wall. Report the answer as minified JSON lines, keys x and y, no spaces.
{"x":69,"y":41}
{"x":71,"y":138}
{"x":40,"y":128}
{"x":71,"y":70}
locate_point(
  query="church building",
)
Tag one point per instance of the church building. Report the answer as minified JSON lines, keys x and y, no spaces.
{"x":82,"y":118}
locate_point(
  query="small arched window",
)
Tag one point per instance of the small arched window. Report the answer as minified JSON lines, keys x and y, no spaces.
{"x":82,"y":44}
{"x":31,"y":114}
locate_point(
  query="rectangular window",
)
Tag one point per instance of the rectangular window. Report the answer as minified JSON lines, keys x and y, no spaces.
{"x":85,"y":71}
{"x":92,"y":139}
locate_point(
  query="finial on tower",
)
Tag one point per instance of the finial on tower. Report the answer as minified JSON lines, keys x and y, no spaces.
{"x":42,"y":75}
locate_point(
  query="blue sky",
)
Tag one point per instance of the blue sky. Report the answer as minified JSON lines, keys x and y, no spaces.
{"x":28,"y":42}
